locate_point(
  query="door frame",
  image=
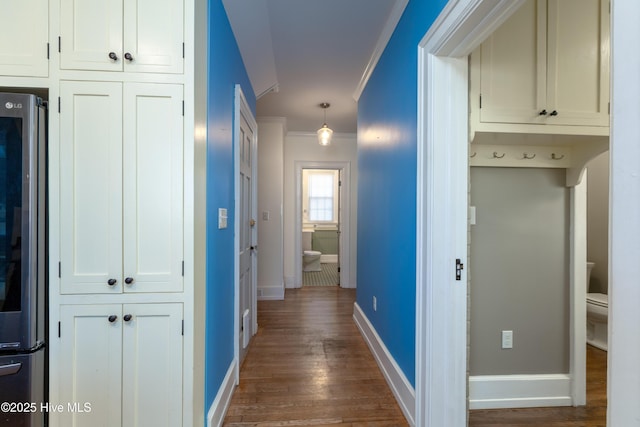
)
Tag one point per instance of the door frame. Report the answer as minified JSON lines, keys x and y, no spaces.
{"x":241,"y":108}
{"x":442,"y":204}
{"x":344,"y":213}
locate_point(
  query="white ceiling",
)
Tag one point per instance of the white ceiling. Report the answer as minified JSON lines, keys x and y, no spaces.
{"x":299,"y":53}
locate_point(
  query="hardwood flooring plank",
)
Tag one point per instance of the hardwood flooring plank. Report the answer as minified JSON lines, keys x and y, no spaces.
{"x":308,"y":365}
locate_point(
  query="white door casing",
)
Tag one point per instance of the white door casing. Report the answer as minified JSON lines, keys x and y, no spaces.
{"x":246,"y":228}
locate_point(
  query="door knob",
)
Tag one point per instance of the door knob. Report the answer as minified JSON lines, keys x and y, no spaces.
{"x":112,"y":282}
{"x":128,"y":280}
{"x":554,"y":113}
{"x":252,"y":222}
{"x":112,"y":318}
{"x":128,"y":56}
{"x":543,"y":113}
{"x":127,"y":317}
{"x":113,"y":56}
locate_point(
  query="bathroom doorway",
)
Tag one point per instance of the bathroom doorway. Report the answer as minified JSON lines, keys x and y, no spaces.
{"x":321,"y":227}
{"x":322,"y":224}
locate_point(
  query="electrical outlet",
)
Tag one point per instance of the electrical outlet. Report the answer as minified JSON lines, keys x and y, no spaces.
{"x":507,"y":339}
{"x":375,"y":304}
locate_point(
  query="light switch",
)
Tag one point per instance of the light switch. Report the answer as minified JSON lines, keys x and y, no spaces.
{"x":472,"y":215}
{"x":222,"y":218}
{"x":265,"y":215}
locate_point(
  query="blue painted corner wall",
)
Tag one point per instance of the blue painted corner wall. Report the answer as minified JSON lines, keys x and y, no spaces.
{"x":387,"y":164}
{"x":226,"y":69}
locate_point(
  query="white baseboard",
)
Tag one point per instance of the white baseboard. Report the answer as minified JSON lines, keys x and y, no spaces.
{"x":270,"y":292}
{"x":400,"y":386}
{"x":220,"y":404}
{"x":328,"y":258}
{"x":290,"y":282}
{"x":519,"y":391}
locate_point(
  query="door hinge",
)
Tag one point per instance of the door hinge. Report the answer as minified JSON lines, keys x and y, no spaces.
{"x":59,"y":270}
{"x":608,"y":107}
{"x":59,"y":102}
{"x":338,"y":269}
{"x":182,"y":50}
{"x":59,"y":329}
{"x":182,"y":327}
{"x":182,"y":108}
{"x":182,"y":268}
{"x":480,"y":96}
{"x":59,"y":44}
{"x":47,"y":50}
{"x":459,"y":268}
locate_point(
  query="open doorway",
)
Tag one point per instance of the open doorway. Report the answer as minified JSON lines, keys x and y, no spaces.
{"x":321,"y":227}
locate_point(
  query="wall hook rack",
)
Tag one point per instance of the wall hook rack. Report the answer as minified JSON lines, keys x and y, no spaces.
{"x":556,"y":157}
{"x":528,"y":156}
{"x":495,"y":155}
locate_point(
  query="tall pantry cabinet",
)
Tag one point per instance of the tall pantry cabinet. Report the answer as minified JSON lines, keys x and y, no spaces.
{"x":119,"y":78}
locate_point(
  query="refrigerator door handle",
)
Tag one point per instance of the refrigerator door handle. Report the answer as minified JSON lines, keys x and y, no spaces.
{"x":10,"y":369}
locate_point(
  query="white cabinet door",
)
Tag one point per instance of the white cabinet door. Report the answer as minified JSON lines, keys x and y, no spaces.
{"x":90,"y":365}
{"x":578,"y":62}
{"x":513,"y":68}
{"x":154,"y":35}
{"x":153,"y":187}
{"x":91,"y":187}
{"x":117,"y":35}
{"x":24,"y":34}
{"x":152,"y":365}
{"x":91,"y":32}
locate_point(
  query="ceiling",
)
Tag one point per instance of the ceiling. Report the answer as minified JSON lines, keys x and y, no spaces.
{"x":299,"y":53}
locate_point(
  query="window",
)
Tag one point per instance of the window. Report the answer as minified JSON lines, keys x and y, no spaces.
{"x":321,"y":197}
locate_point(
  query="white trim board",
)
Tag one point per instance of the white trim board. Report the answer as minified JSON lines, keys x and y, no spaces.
{"x":218,"y":409}
{"x":519,"y":391}
{"x":270,"y":292}
{"x":400,"y":386}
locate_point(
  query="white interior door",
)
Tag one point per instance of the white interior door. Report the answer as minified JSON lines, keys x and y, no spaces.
{"x":246,"y":151}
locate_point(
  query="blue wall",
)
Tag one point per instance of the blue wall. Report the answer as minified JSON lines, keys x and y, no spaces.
{"x":387,"y":147}
{"x":226,"y":69}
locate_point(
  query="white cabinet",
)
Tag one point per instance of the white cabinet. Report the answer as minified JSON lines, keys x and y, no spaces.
{"x":121,"y":187}
{"x":24,"y":37}
{"x":117,"y":35}
{"x":548,"y":64}
{"x":124,"y":361}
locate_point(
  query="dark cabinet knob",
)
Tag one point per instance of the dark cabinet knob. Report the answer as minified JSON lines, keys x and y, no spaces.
{"x":112,"y":282}
{"x":128,"y":56}
{"x":554,"y":113}
{"x":113,"y":56}
{"x":113,"y":318}
{"x":543,"y":113}
{"x":127,"y":317}
{"x":128,"y":280}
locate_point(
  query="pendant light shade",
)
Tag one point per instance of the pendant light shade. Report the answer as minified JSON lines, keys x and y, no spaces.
{"x":324,"y":133}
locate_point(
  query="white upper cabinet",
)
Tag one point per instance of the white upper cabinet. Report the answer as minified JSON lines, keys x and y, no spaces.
{"x":24,"y":37}
{"x":548,"y":64}
{"x":121,"y":187}
{"x":122,"y":35}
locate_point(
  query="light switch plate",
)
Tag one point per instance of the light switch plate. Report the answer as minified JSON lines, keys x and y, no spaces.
{"x":222,"y":218}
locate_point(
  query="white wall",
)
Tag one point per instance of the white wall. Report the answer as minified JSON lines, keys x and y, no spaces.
{"x":271,"y":134}
{"x":304,"y":147}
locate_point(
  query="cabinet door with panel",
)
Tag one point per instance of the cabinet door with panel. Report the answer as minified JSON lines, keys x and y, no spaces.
{"x":125,"y":361}
{"x":121,"y":188}
{"x":24,"y":37}
{"x":117,"y":35}
{"x":152,"y":365}
{"x":547,"y":64}
{"x":90,"y":365}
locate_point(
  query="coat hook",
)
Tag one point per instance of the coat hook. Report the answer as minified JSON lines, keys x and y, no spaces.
{"x":554,"y":157}
{"x":527,"y":156}
{"x":495,"y":155}
{"x":474,"y":154}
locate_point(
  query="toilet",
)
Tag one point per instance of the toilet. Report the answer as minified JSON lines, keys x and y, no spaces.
{"x":310,"y":258}
{"x":597,"y":315}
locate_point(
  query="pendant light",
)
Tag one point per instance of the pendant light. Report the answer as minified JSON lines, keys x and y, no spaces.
{"x":324,"y":133}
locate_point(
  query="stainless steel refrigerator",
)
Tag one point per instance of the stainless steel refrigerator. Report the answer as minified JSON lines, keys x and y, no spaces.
{"x":23,"y":223}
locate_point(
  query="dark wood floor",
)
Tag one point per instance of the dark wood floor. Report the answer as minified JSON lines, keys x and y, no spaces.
{"x":308,"y":365}
{"x":592,"y":415}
